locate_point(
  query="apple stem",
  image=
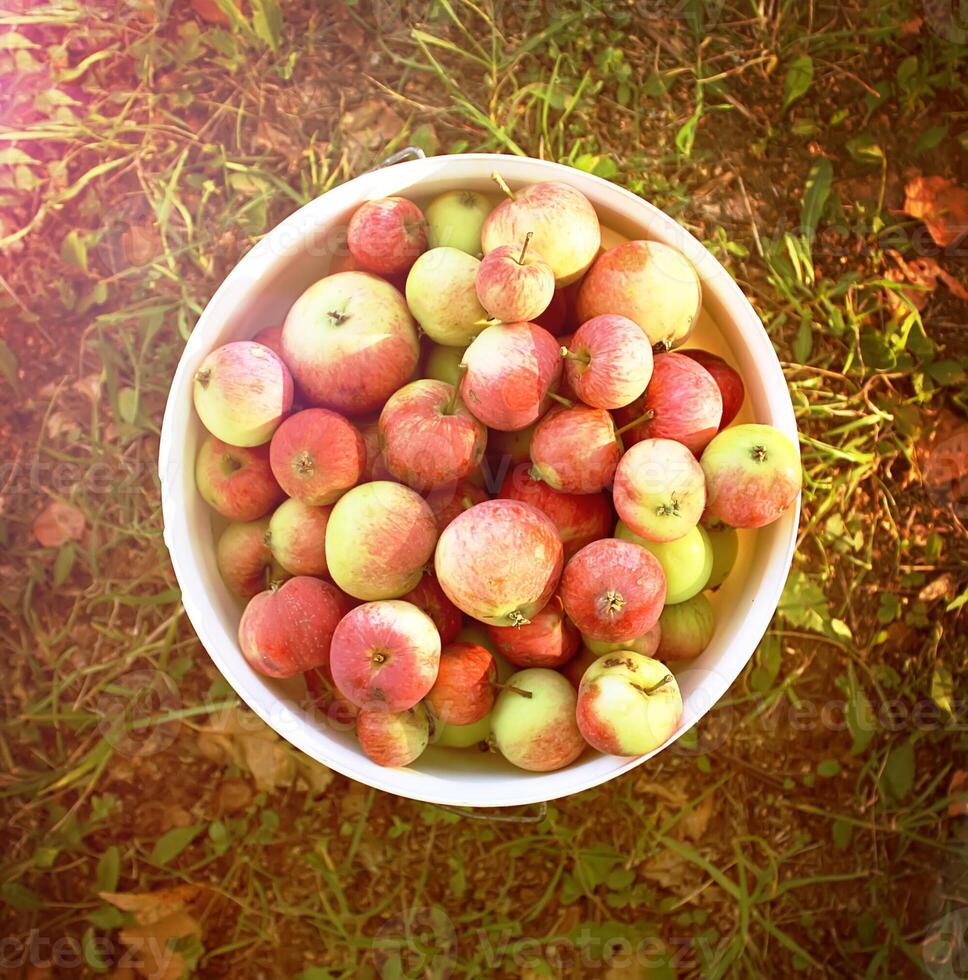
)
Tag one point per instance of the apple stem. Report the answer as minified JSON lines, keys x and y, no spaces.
{"x":567,"y":402}
{"x":655,"y":687}
{"x":644,"y":417}
{"x":517,"y":690}
{"x":451,"y":404}
{"x":565,"y":352}
{"x":203,"y":377}
{"x":502,"y":183}
{"x":758,"y":454}
{"x":524,"y":247}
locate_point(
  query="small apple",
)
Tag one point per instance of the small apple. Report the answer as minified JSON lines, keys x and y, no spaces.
{"x":379,"y":538}
{"x":448,"y":502}
{"x":724,"y":542}
{"x":687,"y":628}
{"x":533,"y":722}
{"x":509,"y":370}
{"x":296,"y":535}
{"x":242,"y":391}
{"x":455,"y":218}
{"x":443,"y":364}
{"x":564,"y":224}
{"x":682,"y":402}
{"x":287,"y":630}
{"x":442,"y":295}
{"x":271,"y":337}
{"x":731,"y":387}
{"x":384,"y":655}
{"x":393,"y":738}
{"x":646,"y":644}
{"x":580,"y":517}
{"x":243,"y":558}
{"x":515,"y":284}
{"x":575,"y":669}
{"x":659,"y":489}
{"x":463,"y":736}
{"x":350,"y":342}
{"x":429,"y":437}
{"x":429,"y":597}
{"x":387,"y":235}
{"x":575,"y":450}
{"x":499,"y":562}
{"x":686,"y":561}
{"x":549,"y":640}
{"x":464,"y":690}
{"x":317,"y":455}
{"x":613,"y":590}
{"x":628,"y":704}
{"x":236,"y":481}
{"x":608,"y":361}
{"x":652,"y":284}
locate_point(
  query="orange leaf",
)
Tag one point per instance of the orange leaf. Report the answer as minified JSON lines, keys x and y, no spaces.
{"x":941,"y":204}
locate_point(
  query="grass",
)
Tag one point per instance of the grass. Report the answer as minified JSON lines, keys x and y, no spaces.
{"x":804,"y":827}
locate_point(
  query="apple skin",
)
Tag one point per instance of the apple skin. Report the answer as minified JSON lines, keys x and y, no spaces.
{"x":394,"y":738}
{"x":514,"y":283}
{"x":443,"y":364}
{"x":476,"y":633}
{"x":350,"y":342}
{"x":236,"y":481}
{"x":500,"y":561}
{"x":687,"y":629}
{"x":455,"y":218}
{"x":442,"y":295}
{"x":464,"y":736}
{"x":447,"y":502}
{"x":244,"y":559}
{"x":429,"y":597}
{"x":384,"y":655}
{"x":242,"y":391}
{"x":608,"y":362}
{"x":538,"y":733}
{"x":731,"y":387}
{"x":288,"y":630}
{"x":317,"y":455}
{"x":549,"y":640}
{"x":575,"y":669}
{"x":555,"y":317}
{"x":652,"y":284}
{"x":464,"y":690}
{"x":647,"y":644}
{"x":296,"y":535}
{"x":509,"y":370}
{"x":564,"y":224}
{"x":386,"y":236}
{"x":271,"y":337}
{"x":429,"y":438}
{"x":752,"y":475}
{"x":574,"y":450}
{"x":379,"y":538}
{"x":685,"y":403}
{"x":580,"y":517}
{"x":724,"y":542}
{"x":628,"y":704}
{"x":613,"y":590}
{"x":659,"y":490}
{"x":375,"y":467}
{"x":687,"y":561}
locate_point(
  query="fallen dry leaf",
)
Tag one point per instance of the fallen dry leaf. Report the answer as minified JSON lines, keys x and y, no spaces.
{"x":941,"y":204}
{"x":57,"y":524}
{"x":211,"y":13}
{"x":923,"y":274}
{"x":693,"y":825}
{"x":666,"y":869}
{"x":943,"y":585}
{"x":372,"y":124}
{"x":61,"y":424}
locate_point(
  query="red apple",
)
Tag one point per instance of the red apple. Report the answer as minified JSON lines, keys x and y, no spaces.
{"x":287,"y":631}
{"x":385,"y":655}
{"x":580,"y":517}
{"x":510,"y":368}
{"x":515,"y":283}
{"x":429,"y":437}
{"x":500,"y":561}
{"x":575,"y":450}
{"x":448,"y":502}
{"x":271,"y":337}
{"x":575,"y":669}
{"x":464,"y":690}
{"x":338,"y":713}
{"x":375,"y":467}
{"x":608,"y":361}
{"x":549,"y":640}
{"x":555,"y":317}
{"x":682,"y":402}
{"x":386,"y":236}
{"x":508,"y":448}
{"x":394,"y":738}
{"x":243,"y":557}
{"x":429,"y":597}
{"x":613,"y":590}
{"x":236,"y":481}
{"x":296,"y":534}
{"x":317,"y":455}
{"x":731,"y":387}
{"x":350,"y":342}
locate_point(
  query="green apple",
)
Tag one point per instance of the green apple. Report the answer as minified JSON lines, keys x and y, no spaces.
{"x":443,"y":364}
{"x":463,"y":736}
{"x":725,"y":544}
{"x":442,"y":296}
{"x":687,"y":628}
{"x":455,"y":218}
{"x":646,"y":644}
{"x":686,"y":561}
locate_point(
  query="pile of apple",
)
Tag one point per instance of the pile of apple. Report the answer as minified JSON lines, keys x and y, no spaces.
{"x":422,"y":469}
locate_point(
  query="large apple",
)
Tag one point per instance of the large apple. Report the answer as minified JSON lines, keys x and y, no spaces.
{"x":549,"y":640}
{"x":575,"y":450}
{"x":608,"y":361}
{"x":687,"y":629}
{"x":628,"y":704}
{"x":448,"y":502}
{"x":455,"y":218}
{"x":731,"y":387}
{"x":244,"y":559}
{"x":429,"y":437}
{"x":442,"y":295}
{"x":296,"y":535}
{"x":659,"y":489}
{"x":564,"y":224}
{"x":652,"y":284}
{"x":682,"y":402}
{"x":515,"y":283}
{"x":429,"y":597}
{"x":236,"y":481}
{"x":394,"y":738}
{"x":378,"y":539}
{"x":387,"y":235}
{"x":500,"y":561}
{"x":613,"y":590}
{"x":686,"y":561}
{"x":509,"y":370}
{"x":350,"y":342}
{"x":464,"y":690}
{"x":384,"y":655}
{"x":752,"y":475}
{"x":242,"y":391}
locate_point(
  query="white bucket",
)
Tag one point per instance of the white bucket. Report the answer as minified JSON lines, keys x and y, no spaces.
{"x":259,"y":291}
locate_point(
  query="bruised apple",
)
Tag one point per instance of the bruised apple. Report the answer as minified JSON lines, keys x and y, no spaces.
{"x":464,"y":690}
{"x":575,"y":450}
{"x":394,"y":738}
{"x":549,"y":640}
{"x":608,"y":361}
{"x":235,"y":481}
